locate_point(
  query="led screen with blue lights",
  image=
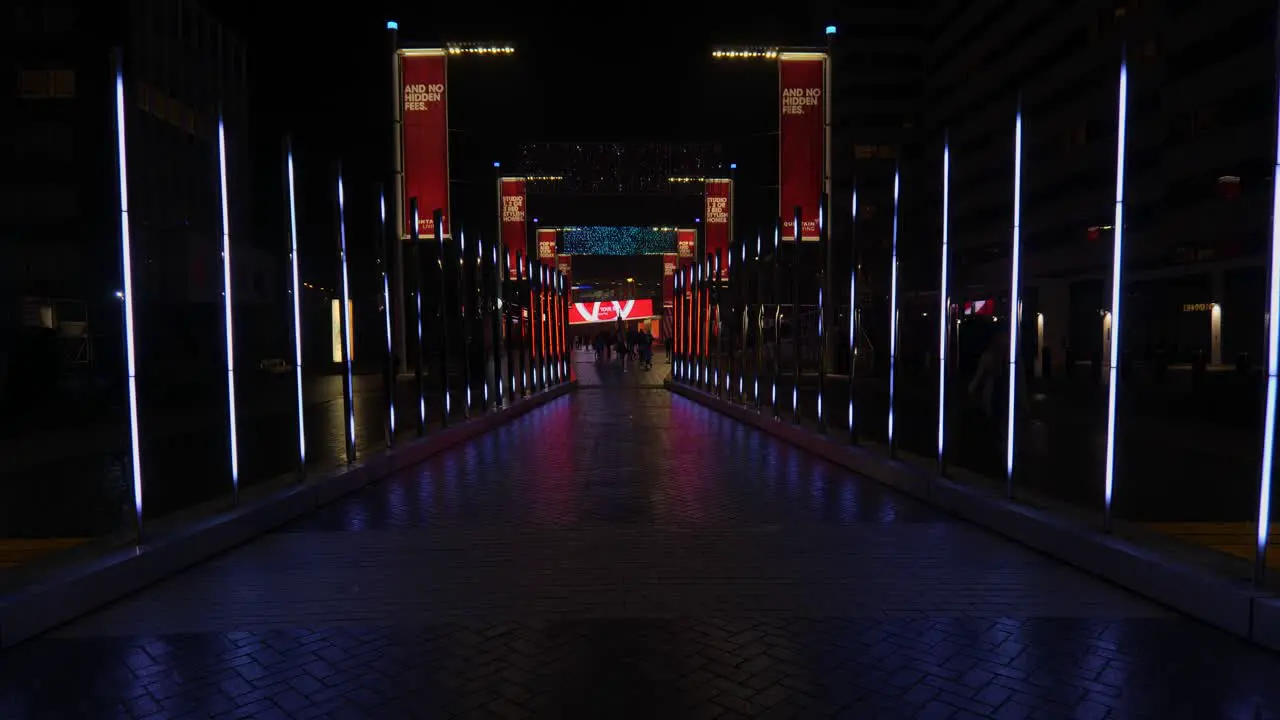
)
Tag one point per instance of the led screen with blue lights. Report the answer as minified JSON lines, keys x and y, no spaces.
{"x":617,"y":240}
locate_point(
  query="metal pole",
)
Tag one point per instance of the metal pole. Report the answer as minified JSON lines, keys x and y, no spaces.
{"x":126,"y":289}
{"x":717,"y":324}
{"x":442,"y":314}
{"x":344,"y":315}
{"x":418,"y":353}
{"x":398,"y":310}
{"x":389,"y":364}
{"x":295,"y":292}
{"x":520,"y":311}
{"x":795,"y":319}
{"x":776,"y":293}
{"x":853,"y":313}
{"x":495,"y":316}
{"x":759,"y":311}
{"x":824,"y":242}
{"x":464,"y":298}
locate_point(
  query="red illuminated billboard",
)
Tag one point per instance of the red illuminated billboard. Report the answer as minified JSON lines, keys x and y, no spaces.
{"x":716,"y":220}
{"x":610,"y":311}
{"x":802,"y":141}
{"x":565,"y":263}
{"x":686,"y":244}
{"x":425,"y":137}
{"x":669,"y":263}
{"x":513,"y":219}
{"x":547,"y":246}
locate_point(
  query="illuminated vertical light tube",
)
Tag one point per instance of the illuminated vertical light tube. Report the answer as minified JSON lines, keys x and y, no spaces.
{"x":543,"y":324}
{"x":1015,"y":299}
{"x":344,"y":312}
{"x":386,"y":314}
{"x":296,"y":292}
{"x":446,"y":407}
{"x":944,"y":301}
{"x":563,"y":306}
{"x":226,"y":310}
{"x":746,"y":314}
{"x":822,"y":359}
{"x":893,"y":305}
{"x":777,"y":317}
{"x":417,"y":301}
{"x":497,"y":320}
{"x":1273,"y":369}
{"x":479,"y":314}
{"x":714,"y":320}
{"x":465,"y":299}
{"x":126,"y":293}
{"x":853,"y":311}
{"x":795,"y":317}
{"x":1116,"y":279}
{"x":755,"y":380}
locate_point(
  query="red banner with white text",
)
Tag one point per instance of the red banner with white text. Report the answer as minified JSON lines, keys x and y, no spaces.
{"x":669,"y":264}
{"x":565,"y":263}
{"x":716,"y":221}
{"x":513,"y":200}
{"x":802,"y":141}
{"x":547,"y":246}
{"x":686,"y":245}
{"x":610,"y":311}
{"x":425,"y":138}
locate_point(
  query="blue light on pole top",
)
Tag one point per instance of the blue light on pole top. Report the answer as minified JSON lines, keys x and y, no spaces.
{"x":497,"y":164}
{"x":831,"y":29}
{"x":733,"y":166}
{"x":393,"y":25}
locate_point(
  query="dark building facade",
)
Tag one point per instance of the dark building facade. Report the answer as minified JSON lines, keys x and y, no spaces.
{"x":61,"y":266}
{"x":1201,"y":144}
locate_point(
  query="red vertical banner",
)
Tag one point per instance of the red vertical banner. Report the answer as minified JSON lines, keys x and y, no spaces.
{"x":686,"y":245}
{"x":513,"y":199}
{"x":669,"y":264}
{"x":716,"y":219}
{"x":565,"y":263}
{"x":547,"y":246}
{"x":802,"y":141}
{"x":425,"y":137}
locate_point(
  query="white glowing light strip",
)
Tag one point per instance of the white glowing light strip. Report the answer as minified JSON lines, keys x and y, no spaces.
{"x":1015,"y":301}
{"x":1273,"y":366}
{"x":713,"y":319}
{"x":1116,"y":272}
{"x":126,"y":269}
{"x":755,"y":388}
{"x":226,"y":306}
{"x":820,"y":343}
{"x":386,"y":305}
{"x":497,"y":296}
{"x":346,"y":311}
{"x":853,"y":303}
{"x":297,"y":310}
{"x":893,"y":303}
{"x":777,"y":315}
{"x":417,"y":300}
{"x":944,"y":299}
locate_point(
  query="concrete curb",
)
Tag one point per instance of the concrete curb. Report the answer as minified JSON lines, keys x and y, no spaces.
{"x":1227,"y":603}
{"x":69,"y":593}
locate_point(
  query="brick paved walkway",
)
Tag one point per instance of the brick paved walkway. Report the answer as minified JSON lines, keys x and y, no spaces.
{"x":621,"y":553}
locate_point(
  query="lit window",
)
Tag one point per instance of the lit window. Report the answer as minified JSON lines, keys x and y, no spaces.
{"x":64,"y":83}
{"x":35,"y":84}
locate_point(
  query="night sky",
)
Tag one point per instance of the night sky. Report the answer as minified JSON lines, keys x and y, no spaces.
{"x":591,"y":72}
{"x":597,"y":71}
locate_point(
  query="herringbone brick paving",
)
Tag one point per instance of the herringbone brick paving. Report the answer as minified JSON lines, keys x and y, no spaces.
{"x":623,"y":553}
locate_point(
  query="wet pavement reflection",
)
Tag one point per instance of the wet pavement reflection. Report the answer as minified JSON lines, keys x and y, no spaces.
{"x":621,"y":552}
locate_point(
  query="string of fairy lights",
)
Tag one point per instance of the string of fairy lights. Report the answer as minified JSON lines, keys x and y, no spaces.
{"x":617,"y":240}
